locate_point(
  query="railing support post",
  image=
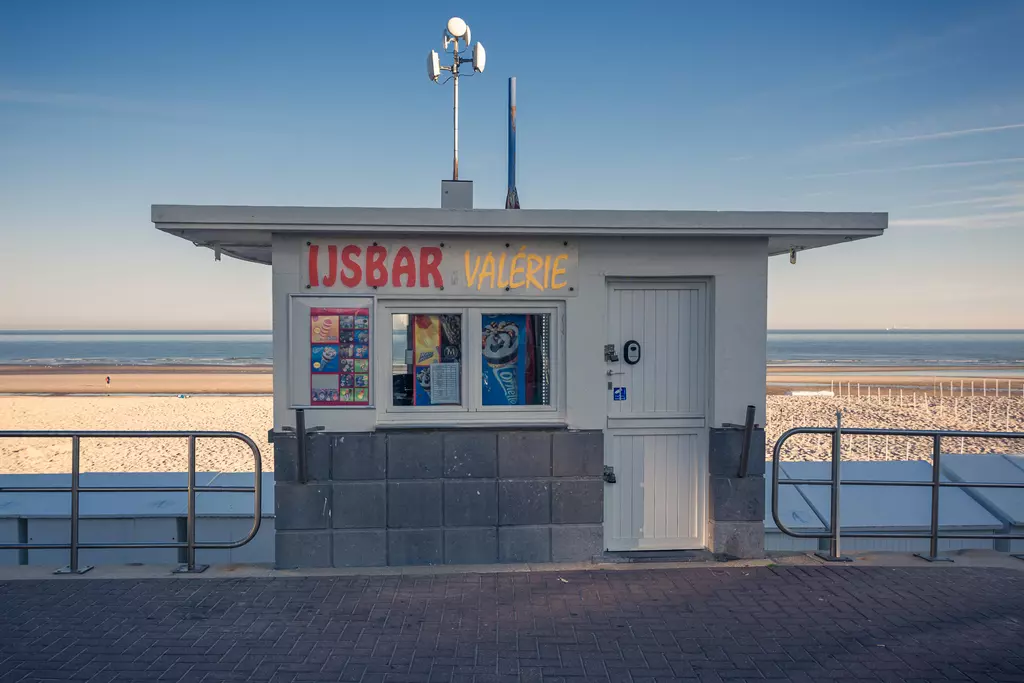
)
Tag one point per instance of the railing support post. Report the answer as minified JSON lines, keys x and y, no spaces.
{"x":933,"y":541}
{"x":190,"y":567}
{"x":834,"y":553}
{"x":76,"y":454}
{"x":300,"y":445}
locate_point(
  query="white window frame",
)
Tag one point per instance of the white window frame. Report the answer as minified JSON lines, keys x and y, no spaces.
{"x":471,"y":411}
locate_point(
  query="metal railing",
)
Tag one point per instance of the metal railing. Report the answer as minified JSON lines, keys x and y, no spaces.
{"x":834,"y":530}
{"x":76,"y":489}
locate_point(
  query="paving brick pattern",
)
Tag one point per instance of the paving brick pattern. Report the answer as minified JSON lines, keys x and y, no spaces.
{"x":793,"y":624}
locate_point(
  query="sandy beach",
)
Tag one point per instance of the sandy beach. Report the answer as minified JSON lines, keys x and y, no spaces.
{"x":217,"y":398}
{"x":250,"y":415}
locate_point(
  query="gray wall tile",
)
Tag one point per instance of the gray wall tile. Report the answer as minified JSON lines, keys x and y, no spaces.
{"x":415,"y":504}
{"x":725,"y":445}
{"x":524,"y":502}
{"x":301,"y":506}
{"x":415,"y":546}
{"x":576,"y":543}
{"x":363,"y":548}
{"x":473,"y":502}
{"x":359,"y":505}
{"x":577,"y":454}
{"x":286,"y":459}
{"x":415,"y":455}
{"x":524,"y":454}
{"x":737,"y":539}
{"x":577,"y":502}
{"x":359,"y":456}
{"x":737,"y":500}
{"x":302,"y":549}
{"x":524,"y":544}
{"x":471,"y":454}
{"x":471,"y":546}
{"x":318,"y":457}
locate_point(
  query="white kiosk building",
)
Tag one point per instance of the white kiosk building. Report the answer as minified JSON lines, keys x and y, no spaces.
{"x":514,"y":386}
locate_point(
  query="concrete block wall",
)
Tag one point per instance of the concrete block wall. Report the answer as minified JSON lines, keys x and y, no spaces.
{"x":440,"y":497}
{"x":737,"y":504}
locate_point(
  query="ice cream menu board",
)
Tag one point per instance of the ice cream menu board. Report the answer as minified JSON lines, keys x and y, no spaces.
{"x":437,"y":356}
{"x":340,"y":356}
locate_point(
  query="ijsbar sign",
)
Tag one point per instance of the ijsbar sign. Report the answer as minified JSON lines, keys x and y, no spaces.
{"x":544,"y":268}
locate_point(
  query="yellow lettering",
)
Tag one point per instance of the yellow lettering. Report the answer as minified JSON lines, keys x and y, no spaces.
{"x":547,"y":271}
{"x":471,"y":274}
{"x":517,"y":269}
{"x":533,"y":264}
{"x":502,"y":284}
{"x":487,"y":270}
{"x":556,"y":271}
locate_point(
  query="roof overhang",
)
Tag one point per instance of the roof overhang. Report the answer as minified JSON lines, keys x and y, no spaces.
{"x":245,"y":232}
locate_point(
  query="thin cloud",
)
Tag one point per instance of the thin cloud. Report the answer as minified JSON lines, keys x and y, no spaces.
{"x":933,"y":136}
{"x":1004,"y":201}
{"x":918,"y":167}
{"x":1009,"y":219}
{"x":100,"y":103}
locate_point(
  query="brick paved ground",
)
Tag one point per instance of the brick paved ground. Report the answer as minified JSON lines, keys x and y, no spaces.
{"x":796,"y":623}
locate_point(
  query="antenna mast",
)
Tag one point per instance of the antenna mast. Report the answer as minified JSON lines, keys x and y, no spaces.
{"x":455,"y":31}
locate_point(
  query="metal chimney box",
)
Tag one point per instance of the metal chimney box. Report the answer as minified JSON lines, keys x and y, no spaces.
{"x":456,"y":194}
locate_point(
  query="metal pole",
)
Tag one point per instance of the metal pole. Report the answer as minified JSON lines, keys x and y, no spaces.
{"x":834,"y":543}
{"x":190,"y":566}
{"x":73,"y":568}
{"x":836,"y":458}
{"x":76,"y":447}
{"x":191,"y":522}
{"x":300,"y":445}
{"x":933,"y":542}
{"x":455,"y":113}
{"x":748,"y":431}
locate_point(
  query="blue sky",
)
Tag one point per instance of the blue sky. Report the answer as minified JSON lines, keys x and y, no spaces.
{"x":910,"y":107}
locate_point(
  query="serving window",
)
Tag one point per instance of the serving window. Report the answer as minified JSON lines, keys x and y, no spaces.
{"x":476,"y":361}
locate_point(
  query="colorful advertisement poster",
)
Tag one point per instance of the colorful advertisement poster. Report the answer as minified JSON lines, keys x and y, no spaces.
{"x":426,"y":352}
{"x":339,"y":356}
{"x":504,"y":359}
{"x":437,"y":339}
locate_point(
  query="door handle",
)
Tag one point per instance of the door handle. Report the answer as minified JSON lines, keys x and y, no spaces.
{"x":610,"y":373}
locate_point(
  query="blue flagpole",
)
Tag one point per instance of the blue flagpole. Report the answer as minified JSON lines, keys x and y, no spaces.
{"x":512,"y":198}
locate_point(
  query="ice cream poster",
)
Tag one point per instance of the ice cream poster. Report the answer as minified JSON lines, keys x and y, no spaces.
{"x":426,"y":352}
{"x":504,"y":360}
{"x":339,"y":356}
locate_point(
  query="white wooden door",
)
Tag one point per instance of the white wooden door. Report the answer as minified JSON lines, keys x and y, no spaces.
{"x":656,"y":439}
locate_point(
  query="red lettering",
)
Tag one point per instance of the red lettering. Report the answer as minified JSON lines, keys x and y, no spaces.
{"x":351,"y":271}
{"x":376,"y":270}
{"x":430,"y":263}
{"x":332,"y":266}
{"x":314,"y":271}
{"x":404,"y":265}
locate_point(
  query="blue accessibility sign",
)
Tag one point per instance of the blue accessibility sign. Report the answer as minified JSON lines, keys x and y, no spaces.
{"x":619,"y":394}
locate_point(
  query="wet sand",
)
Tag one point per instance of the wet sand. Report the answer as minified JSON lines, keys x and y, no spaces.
{"x":174,"y":380}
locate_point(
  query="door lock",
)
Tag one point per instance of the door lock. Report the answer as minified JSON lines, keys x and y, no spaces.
{"x":609,"y":474}
{"x":610,"y":355}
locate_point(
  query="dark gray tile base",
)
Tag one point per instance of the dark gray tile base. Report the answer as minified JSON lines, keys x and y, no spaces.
{"x":467,"y":496}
